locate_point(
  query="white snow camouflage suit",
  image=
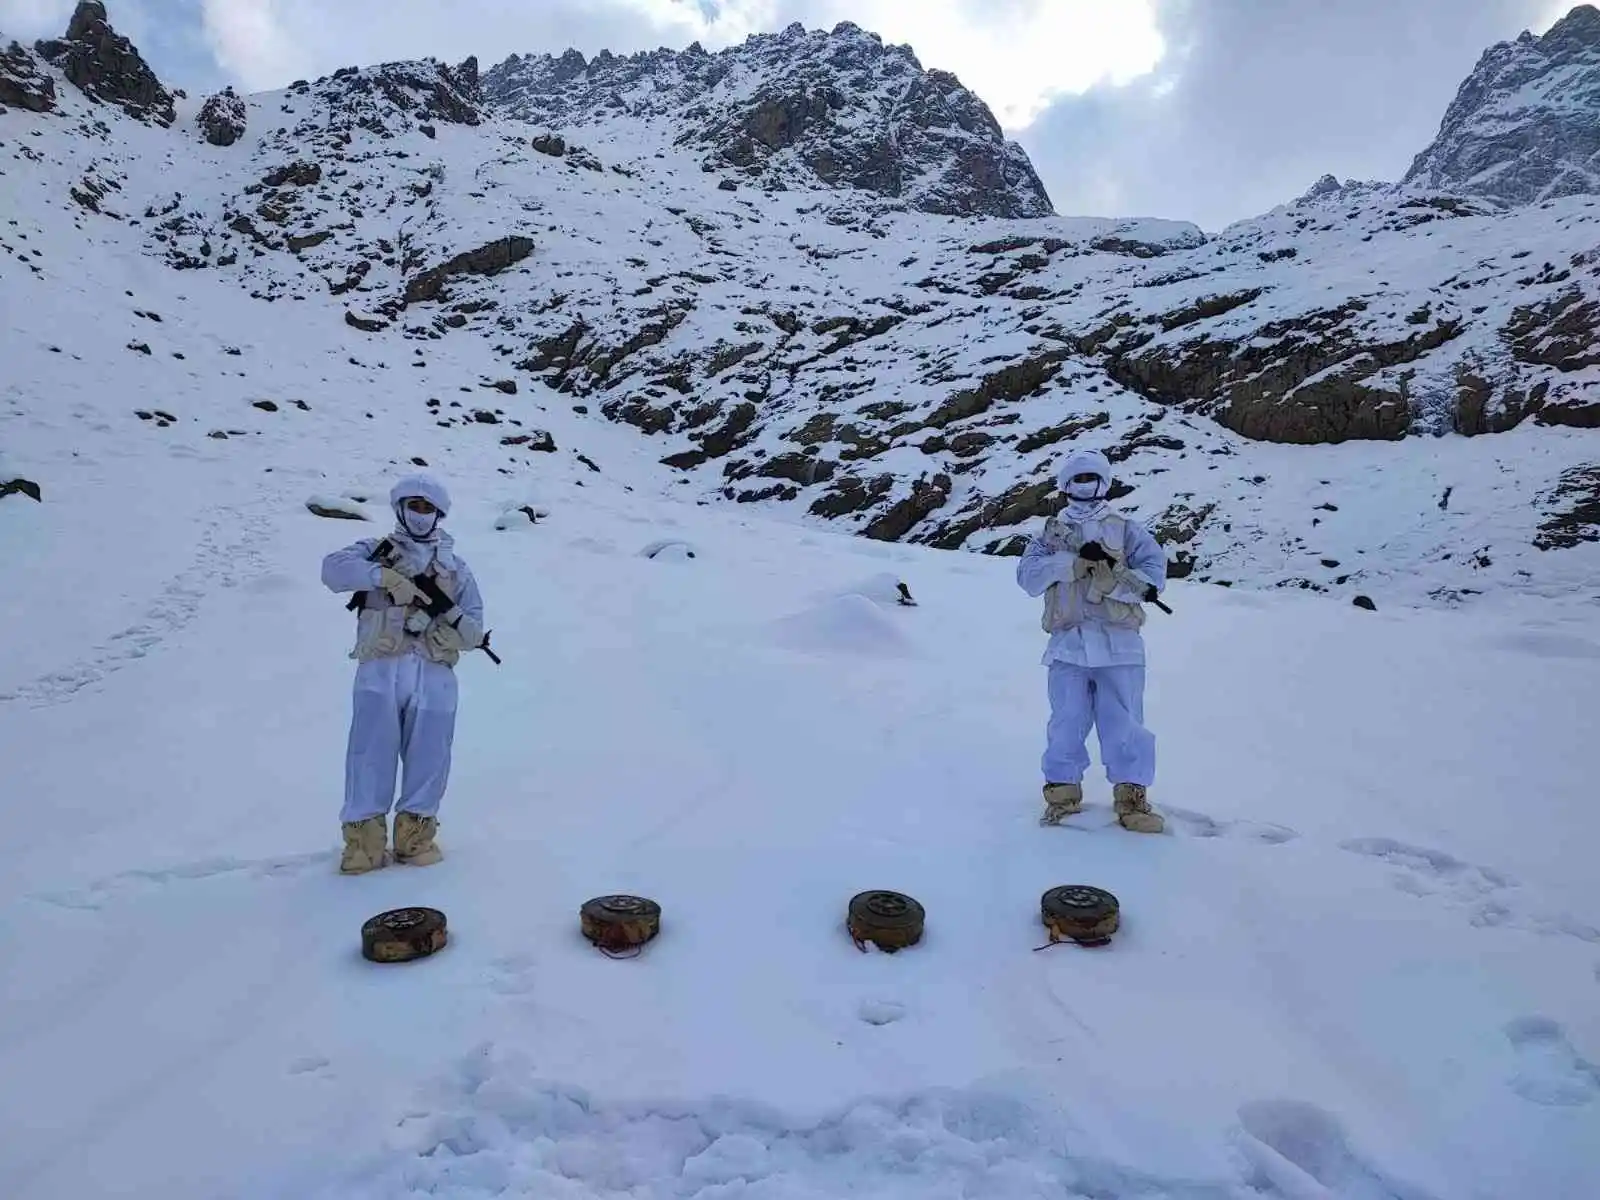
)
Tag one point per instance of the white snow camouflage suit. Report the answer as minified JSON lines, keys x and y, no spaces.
{"x":405,"y":695}
{"x":1093,"y":613}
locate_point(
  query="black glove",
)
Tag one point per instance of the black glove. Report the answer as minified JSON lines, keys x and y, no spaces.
{"x":1151,"y":594}
{"x":1095,"y":552}
{"x":437,"y":602}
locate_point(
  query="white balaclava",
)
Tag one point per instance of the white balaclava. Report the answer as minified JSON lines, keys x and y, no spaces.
{"x":421,"y":526}
{"x":1085,"y":500}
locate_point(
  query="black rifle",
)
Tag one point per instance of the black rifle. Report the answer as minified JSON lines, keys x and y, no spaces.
{"x":1150,"y":596}
{"x":437,"y":601}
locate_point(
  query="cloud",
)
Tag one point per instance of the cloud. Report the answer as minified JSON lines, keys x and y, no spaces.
{"x":1017,"y":54}
{"x":1256,"y":99}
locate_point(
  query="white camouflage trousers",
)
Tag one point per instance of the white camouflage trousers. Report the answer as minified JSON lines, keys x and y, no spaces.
{"x":1109,"y":700}
{"x":403,"y":719}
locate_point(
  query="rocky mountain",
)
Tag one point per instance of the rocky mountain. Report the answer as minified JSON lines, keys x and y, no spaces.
{"x":1296,"y":402}
{"x":1525,"y":126}
{"x":797,"y":109}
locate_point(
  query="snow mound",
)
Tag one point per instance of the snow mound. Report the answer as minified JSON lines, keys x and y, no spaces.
{"x":506,"y":1132}
{"x":883,"y":588}
{"x":521,"y":516}
{"x":848,"y":624}
{"x":669,"y":550}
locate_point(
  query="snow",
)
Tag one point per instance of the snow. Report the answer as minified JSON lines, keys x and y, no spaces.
{"x":1363,"y":963}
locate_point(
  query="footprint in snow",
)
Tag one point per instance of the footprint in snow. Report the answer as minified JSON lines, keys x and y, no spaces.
{"x":881,"y":1012}
{"x":1298,"y":1149}
{"x":1549,"y":1071}
{"x":103,"y":891}
{"x":312,"y":1064}
{"x":1490,"y":896}
{"x":1199,"y":825}
{"x":512,"y":975}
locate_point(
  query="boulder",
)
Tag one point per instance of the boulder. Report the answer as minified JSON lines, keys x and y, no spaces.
{"x":222,"y":118}
{"x":488,"y":259}
{"x":367,"y":324}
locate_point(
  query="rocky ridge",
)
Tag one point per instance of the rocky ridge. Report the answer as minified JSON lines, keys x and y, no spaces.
{"x":797,"y":109}
{"x":910,"y":375}
{"x":1525,"y":125}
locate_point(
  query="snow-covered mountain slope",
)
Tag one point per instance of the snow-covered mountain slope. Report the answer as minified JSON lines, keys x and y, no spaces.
{"x":829,"y":352}
{"x":1525,"y":125}
{"x":1363,"y":964}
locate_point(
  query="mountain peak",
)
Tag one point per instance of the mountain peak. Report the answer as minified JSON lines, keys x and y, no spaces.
{"x":1525,"y":125}
{"x":107,"y":67}
{"x":802,"y":109}
{"x":1579,"y":29}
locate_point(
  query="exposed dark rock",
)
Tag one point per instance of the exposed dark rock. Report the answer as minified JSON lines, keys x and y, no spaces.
{"x":1013,"y":382}
{"x":538,"y":440}
{"x":804,"y":469}
{"x":839,"y":109}
{"x":489,"y":259}
{"x":1205,"y":310}
{"x":222,"y":119}
{"x":1300,"y":380}
{"x":335,"y":513}
{"x":295,"y":174}
{"x":852,"y":494}
{"x":411,"y":94}
{"x":299,"y":242}
{"x":264,"y":405}
{"x":107,"y":67}
{"x":1021,"y":502}
{"x":1575,"y":517}
{"x":22,"y":83}
{"x":1579,"y":411}
{"x":965,"y":445}
{"x":900,"y":518}
{"x":18,"y":486}
{"x":365,"y":324}
{"x":1365,"y":602}
{"x":552,"y":144}
{"x":1065,"y":431}
{"x":1563,"y":333}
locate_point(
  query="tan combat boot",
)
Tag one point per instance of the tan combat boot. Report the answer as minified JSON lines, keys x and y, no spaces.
{"x":1061,"y":800}
{"x":364,"y":846}
{"x":1134,"y":811}
{"x":413,"y":840}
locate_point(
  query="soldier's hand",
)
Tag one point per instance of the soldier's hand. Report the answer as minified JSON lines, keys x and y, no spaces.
{"x":401,"y":589}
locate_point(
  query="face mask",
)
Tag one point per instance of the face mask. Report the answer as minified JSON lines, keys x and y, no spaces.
{"x":419,"y":525}
{"x":1084,"y":491}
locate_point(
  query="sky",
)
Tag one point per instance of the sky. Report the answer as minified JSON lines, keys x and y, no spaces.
{"x":1202,"y":110}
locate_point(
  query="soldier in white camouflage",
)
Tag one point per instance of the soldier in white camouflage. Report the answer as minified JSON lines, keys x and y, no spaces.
{"x":1096,"y":569}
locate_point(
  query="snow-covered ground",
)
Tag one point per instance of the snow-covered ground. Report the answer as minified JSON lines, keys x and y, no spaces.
{"x":1364,"y":963}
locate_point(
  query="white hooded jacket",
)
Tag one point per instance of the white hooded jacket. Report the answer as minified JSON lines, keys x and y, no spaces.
{"x":1092,"y":611}
{"x":381,"y":625}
